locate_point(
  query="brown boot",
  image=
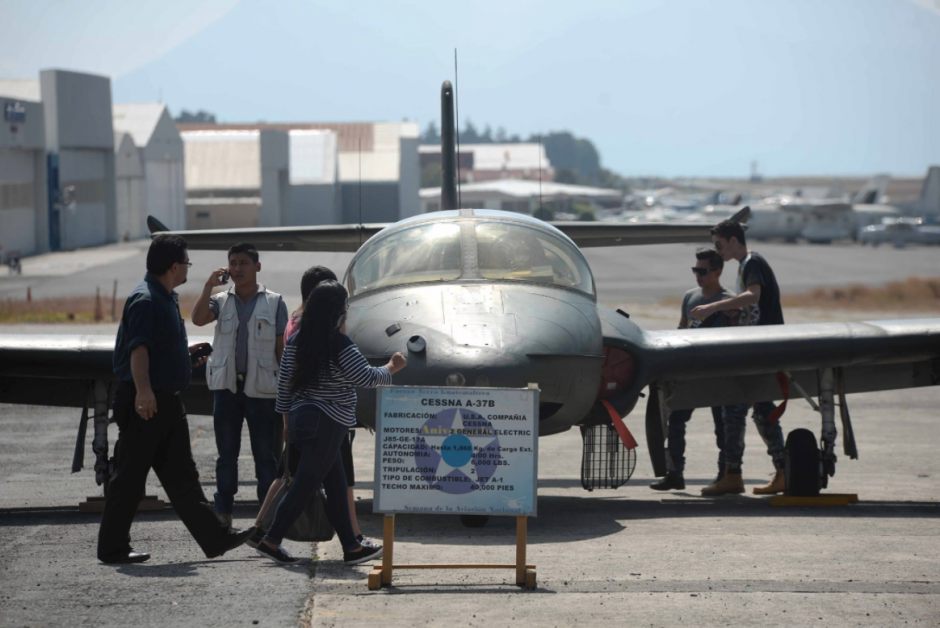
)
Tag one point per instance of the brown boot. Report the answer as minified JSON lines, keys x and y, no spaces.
{"x":777,"y":485}
{"x":729,"y":484}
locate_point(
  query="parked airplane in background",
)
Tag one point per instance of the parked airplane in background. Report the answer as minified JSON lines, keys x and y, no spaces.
{"x":900,"y":232}
{"x":824,"y":220}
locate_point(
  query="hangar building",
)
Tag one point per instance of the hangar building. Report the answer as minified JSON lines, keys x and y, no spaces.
{"x":24,"y":217}
{"x":161,"y":154}
{"x":78,"y":207}
{"x":377,"y":161}
{"x":315,"y":193}
{"x":237,"y":178}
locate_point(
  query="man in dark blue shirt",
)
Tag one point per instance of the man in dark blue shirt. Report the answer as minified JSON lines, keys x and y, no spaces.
{"x":152,"y":361}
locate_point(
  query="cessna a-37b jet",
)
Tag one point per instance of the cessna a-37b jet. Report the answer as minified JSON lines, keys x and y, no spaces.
{"x":487,"y":298}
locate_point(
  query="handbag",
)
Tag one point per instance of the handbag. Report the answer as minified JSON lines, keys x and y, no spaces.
{"x":312,"y":524}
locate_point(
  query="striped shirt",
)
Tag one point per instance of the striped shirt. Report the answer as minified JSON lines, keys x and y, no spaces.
{"x":335,"y":394}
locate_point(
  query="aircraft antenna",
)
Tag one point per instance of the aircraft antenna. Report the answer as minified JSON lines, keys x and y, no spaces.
{"x":457,"y":128}
{"x":541,"y":213}
{"x":448,"y":150}
{"x":360,"y":190}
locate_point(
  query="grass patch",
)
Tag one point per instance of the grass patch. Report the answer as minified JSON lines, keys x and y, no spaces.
{"x":79,"y":310}
{"x":914,"y":293}
{"x":917,"y":294}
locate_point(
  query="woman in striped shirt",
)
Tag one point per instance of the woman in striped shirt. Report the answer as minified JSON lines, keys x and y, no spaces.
{"x":320,"y":371}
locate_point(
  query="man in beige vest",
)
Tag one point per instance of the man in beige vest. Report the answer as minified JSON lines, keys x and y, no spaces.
{"x":242,"y":370}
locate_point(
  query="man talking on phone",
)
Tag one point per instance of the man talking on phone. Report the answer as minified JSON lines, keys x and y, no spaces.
{"x":243,"y":370}
{"x":153,"y":363}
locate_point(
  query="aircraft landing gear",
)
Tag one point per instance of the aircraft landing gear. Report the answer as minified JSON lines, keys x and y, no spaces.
{"x":474,"y":521}
{"x":803,"y":467}
{"x":808,"y":466}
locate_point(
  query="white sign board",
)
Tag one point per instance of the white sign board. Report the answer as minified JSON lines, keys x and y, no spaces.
{"x":466,"y":451}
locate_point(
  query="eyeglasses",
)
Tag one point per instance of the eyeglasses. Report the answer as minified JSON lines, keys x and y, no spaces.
{"x":717,"y":245}
{"x":701,"y":272}
{"x":188,"y":263}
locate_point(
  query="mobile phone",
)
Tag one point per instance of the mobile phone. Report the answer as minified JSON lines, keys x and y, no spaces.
{"x":204,"y":351}
{"x":225,"y":277}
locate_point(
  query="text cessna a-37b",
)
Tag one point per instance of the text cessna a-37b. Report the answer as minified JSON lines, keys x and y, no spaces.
{"x":486,"y":298}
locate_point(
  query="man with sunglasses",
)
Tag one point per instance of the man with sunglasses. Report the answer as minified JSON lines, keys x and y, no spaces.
{"x":708,"y":268}
{"x":153,"y":365}
{"x":759,"y":300}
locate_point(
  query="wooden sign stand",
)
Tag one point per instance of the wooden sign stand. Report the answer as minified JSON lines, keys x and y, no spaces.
{"x":381,"y":575}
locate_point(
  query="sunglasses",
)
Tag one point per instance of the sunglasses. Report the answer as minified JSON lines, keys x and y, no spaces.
{"x":701,"y":272}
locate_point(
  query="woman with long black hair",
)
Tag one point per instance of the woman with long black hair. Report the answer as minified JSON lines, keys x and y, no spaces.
{"x":320,"y":371}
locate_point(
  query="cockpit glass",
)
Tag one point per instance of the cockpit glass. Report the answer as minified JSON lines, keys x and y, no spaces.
{"x":515,"y":252}
{"x":427,"y":253}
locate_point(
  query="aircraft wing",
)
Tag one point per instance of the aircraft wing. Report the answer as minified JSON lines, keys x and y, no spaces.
{"x":738,"y":365}
{"x":62,"y":371}
{"x":332,"y":238}
{"x":591,"y":234}
{"x":709,"y":367}
{"x":348,"y":238}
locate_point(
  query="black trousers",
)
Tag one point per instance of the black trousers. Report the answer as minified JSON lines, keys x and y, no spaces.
{"x":160,"y":443}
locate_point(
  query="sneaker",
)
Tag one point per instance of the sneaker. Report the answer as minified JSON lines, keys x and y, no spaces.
{"x":255,"y":539}
{"x":365,"y":555}
{"x":280,"y":554}
{"x":672,"y":481}
{"x":366,"y":541}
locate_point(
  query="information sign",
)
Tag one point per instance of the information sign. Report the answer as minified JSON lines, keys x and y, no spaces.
{"x":467,"y":451}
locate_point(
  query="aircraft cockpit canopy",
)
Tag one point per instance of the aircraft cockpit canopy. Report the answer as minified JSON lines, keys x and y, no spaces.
{"x":505,"y":251}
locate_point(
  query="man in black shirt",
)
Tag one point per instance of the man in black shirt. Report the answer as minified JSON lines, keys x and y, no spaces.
{"x":153,"y":364}
{"x":759,"y":301}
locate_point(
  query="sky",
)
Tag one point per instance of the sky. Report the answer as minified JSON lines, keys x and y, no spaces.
{"x":662,"y":87}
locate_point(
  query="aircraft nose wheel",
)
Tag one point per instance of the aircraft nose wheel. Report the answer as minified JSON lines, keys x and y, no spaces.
{"x":803,"y":464}
{"x":474,"y":521}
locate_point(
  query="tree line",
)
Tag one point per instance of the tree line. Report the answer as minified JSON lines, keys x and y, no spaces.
{"x":575,"y":159}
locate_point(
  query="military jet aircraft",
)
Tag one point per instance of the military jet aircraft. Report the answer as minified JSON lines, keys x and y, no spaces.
{"x":480,"y":297}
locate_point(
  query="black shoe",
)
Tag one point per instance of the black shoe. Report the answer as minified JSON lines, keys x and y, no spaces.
{"x":232,"y":539}
{"x":280,"y":554}
{"x":125,"y":557}
{"x":256,"y":538}
{"x":364,"y":555}
{"x":672,"y":481}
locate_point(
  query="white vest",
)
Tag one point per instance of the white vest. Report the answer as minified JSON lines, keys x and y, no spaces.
{"x":261,"y":378}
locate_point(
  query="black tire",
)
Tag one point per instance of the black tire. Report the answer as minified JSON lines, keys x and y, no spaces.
{"x":474,"y":521}
{"x":802,"y":464}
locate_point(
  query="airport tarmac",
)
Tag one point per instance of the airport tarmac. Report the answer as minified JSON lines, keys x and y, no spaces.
{"x":624,"y":274}
{"x":629,"y":556}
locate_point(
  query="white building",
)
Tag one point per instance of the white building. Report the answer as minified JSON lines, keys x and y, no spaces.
{"x":486,"y":162}
{"x":523,"y":196}
{"x":237,"y":178}
{"x":315,"y":193}
{"x":24,"y":207}
{"x":377,"y":163}
{"x":79,"y":146}
{"x":130,"y":188}
{"x":161,"y":152}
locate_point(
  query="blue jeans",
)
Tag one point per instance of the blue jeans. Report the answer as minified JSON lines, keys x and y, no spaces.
{"x":228,"y":413}
{"x":677,"y":423}
{"x":735,"y":420}
{"x":319,"y":438}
